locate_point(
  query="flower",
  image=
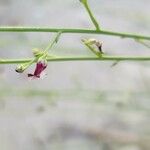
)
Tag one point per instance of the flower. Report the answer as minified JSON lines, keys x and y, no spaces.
{"x":40,"y":67}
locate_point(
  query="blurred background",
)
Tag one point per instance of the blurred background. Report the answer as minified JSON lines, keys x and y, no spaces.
{"x":79,"y":105}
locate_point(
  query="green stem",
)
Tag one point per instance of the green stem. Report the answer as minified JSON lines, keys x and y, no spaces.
{"x":97,"y":53}
{"x":80,"y":58}
{"x":76,"y":31}
{"x":55,"y":40}
{"x":142,"y":42}
{"x":86,"y":5}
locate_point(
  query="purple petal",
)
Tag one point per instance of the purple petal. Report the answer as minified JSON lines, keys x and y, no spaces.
{"x":40,"y":67}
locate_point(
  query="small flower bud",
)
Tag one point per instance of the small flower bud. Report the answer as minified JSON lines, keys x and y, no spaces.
{"x":19,"y":69}
{"x":91,"y":41}
{"x":37,"y":52}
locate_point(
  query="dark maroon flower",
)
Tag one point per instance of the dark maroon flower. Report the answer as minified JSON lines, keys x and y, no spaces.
{"x":40,"y":67}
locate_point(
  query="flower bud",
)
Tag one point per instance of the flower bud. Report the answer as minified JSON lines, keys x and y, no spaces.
{"x":19,"y":69}
{"x":37,"y":52}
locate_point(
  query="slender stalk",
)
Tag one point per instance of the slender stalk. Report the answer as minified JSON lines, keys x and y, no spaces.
{"x":54,"y":41}
{"x":97,"y":53}
{"x":142,"y":42}
{"x":80,"y":58}
{"x":86,"y":5}
{"x":76,"y":31}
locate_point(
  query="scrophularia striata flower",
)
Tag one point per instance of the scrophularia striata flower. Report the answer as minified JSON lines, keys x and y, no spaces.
{"x":40,"y":67}
{"x":40,"y":58}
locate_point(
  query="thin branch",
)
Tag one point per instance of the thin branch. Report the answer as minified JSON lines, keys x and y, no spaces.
{"x":76,"y":31}
{"x":80,"y":58}
{"x":86,"y":5}
{"x":54,"y":41}
{"x":142,"y":42}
